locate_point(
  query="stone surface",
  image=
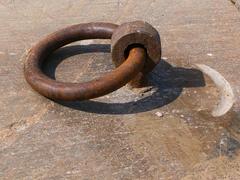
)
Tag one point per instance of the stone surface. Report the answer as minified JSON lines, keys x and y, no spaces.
{"x":119,"y":135}
{"x":236,"y":3}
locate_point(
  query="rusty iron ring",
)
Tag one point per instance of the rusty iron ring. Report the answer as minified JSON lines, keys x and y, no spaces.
{"x":79,"y":91}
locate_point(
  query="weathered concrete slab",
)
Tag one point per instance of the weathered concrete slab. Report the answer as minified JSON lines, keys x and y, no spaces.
{"x":166,"y":133}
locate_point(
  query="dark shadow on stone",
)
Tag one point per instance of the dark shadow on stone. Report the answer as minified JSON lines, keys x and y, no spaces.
{"x":166,"y":79}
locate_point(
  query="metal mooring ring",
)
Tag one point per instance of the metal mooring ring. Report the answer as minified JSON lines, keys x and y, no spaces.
{"x":79,"y":91}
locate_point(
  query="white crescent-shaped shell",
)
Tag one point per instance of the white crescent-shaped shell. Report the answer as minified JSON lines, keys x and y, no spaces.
{"x":227,"y":96}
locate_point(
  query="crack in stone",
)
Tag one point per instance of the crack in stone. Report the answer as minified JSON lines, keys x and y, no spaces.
{"x":9,"y":134}
{"x":236,"y":3}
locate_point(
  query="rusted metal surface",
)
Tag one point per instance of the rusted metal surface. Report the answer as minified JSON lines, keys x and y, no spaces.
{"x":79,"y":91}
{"x":134,"y":34}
